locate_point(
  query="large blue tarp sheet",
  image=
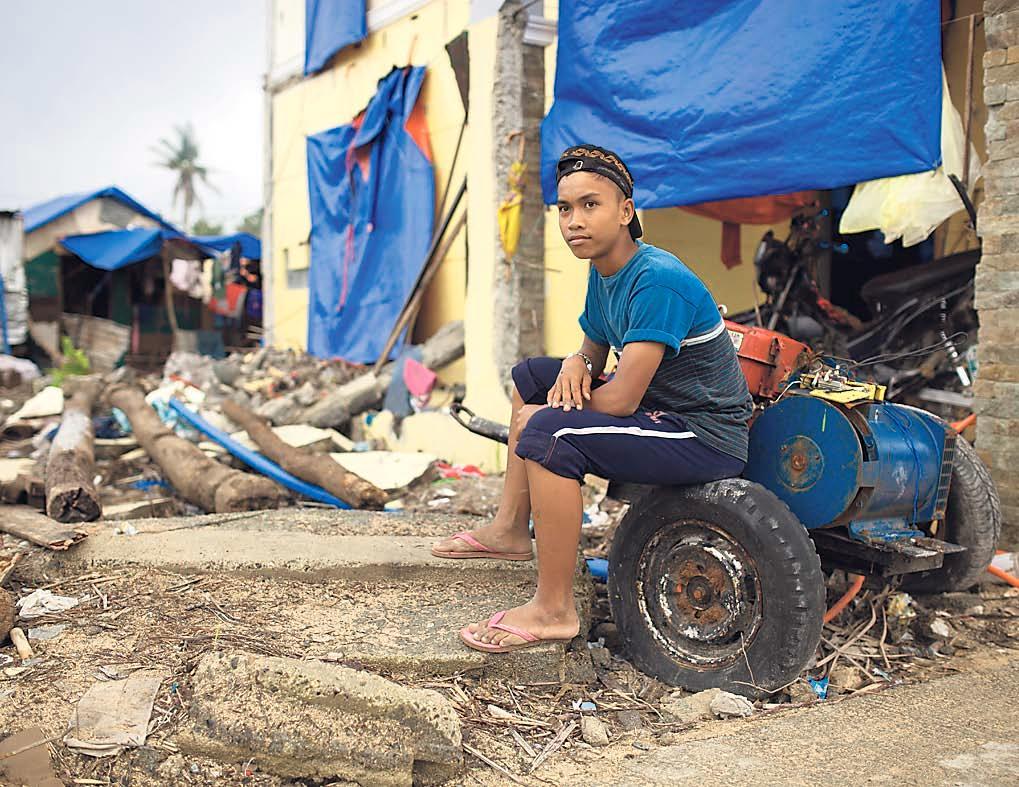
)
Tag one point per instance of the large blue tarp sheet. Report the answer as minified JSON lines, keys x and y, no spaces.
{"x":738,"y":98}
{"x":45,"y":212}
{"x":371,"y":191}
{"x":251,"y":247}
{"x":330,"y":25}
{"x":110,"y":251}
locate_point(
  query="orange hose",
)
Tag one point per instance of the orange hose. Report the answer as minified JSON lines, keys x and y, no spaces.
{"x":1004,"y":575}
{"x":969,"y":420}
{"x":841,"y":604}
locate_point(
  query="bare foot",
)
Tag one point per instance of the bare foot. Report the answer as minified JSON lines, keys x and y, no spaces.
{"x":493,"y":536}
{"x":542,"y":623}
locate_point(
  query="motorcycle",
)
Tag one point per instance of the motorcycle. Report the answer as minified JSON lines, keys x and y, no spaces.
{"x":920,"y":340}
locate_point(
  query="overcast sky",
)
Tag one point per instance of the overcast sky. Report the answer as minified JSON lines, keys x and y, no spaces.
{"x":89,"y":88}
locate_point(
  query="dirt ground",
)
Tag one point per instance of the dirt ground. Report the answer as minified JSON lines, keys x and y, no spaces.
{"x":131,"y":619}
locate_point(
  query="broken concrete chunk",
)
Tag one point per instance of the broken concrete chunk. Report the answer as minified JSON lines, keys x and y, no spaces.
{"x":594,"y":731}
{"x":691,"y":708}
{"x":305,"y":719}
{"x":940,"y":629}
{"x":725,"y":705}
{"x":846,"y":677}
{"x":629,"y":720}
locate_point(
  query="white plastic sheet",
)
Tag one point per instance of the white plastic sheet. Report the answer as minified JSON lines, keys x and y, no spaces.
{"x":910,"y":207}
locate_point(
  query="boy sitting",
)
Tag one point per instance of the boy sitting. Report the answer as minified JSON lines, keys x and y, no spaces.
{"x":674,"y":412}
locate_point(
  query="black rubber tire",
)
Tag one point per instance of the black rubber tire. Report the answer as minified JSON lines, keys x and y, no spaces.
{"x":972,"y":520}
{"x":791,"y":585}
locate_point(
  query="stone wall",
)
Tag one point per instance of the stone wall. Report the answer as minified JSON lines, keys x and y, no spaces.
{"x":997,"y":281}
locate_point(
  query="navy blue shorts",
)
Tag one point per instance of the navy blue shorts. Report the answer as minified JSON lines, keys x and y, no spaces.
{"x":643,"y":448}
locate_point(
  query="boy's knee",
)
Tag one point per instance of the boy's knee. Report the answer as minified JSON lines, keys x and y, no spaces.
{"x":534,"y":377}
{"x":542,"y":419}
{"x":524,"y":416}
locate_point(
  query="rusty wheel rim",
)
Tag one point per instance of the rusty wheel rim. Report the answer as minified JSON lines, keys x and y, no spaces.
{"x":699,"y":592}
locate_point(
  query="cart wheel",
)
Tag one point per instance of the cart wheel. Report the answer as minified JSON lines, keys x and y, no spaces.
{"x":716,"y":585}
{"x":972,"y":520}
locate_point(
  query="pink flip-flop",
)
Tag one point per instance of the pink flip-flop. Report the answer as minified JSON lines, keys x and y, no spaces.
{"x":479,"y":551}
{"x":495,"y":622}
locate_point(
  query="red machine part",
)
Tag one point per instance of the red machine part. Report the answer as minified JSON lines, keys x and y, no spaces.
{"x":766,"y":357}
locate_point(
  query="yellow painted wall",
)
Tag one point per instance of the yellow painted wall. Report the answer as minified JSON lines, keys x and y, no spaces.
{"x":697,"y":242}
{"x":333,"y":98}
{"x":485,"y":394}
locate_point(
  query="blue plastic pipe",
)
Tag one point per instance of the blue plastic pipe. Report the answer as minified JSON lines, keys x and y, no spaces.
{"x":254,"y":459}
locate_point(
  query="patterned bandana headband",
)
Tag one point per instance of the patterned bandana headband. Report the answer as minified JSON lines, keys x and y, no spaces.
{"x":591,"y":158}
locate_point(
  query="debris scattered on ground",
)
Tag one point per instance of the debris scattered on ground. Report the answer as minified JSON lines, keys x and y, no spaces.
{"x":25,"y":759}
{"x":47,"y":403}
{"x":6,"y":614}
{"x":44,"y":602}
{"x":690,"y":708}
{"x":370,"y":730}
{"x":725,"y":705}
{"x":114,"y":715}
{"x":21,"y":644}
{"x":27,"y":523}
{"x":594,"y":731}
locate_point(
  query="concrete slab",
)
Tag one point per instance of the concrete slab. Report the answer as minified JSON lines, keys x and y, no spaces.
{"x":413,"y":633}
{"x":324,"y":521}
{"x":299,"y":555}
{"x":377,"y":601}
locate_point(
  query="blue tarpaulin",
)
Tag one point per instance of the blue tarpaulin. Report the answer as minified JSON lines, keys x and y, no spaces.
{"x":739,"y":98}
{"x":330,"y":25}
{"x":110,"y":251}
{"x":251,"y":247}
{"x":45,"y":212}
{"x":371,"y":191}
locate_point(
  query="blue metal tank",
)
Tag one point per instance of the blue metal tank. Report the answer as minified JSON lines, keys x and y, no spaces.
{"x":869,"y":464}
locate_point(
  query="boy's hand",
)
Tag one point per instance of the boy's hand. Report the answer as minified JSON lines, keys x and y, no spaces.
{"x":572,"y":386}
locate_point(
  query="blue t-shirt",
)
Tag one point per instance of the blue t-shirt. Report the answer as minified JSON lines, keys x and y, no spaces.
{"x":656,"y":298}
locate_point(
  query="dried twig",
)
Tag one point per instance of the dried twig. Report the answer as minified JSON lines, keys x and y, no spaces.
{"x":553,"y":746}
{"x":492,"y":764}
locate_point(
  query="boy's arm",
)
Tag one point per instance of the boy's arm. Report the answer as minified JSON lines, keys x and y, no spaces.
{"x":573,"y":385}
{"x":622,"y":395}
{"x":598,"y":353}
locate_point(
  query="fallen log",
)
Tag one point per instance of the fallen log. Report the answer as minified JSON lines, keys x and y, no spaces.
{"x":212,"y":486}
{"x":70,"y":491}
{"x":318,"y":469}
{"x":367,"y":390}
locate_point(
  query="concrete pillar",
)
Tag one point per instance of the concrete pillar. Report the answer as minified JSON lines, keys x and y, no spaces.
{"x":518,"y":292}
{"x":504,"y":313}
{"x":997,"y":281}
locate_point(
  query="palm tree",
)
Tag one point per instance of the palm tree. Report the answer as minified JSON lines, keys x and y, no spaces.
{"x":181,"y":157}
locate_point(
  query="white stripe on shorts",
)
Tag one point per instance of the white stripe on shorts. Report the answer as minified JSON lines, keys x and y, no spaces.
{"x":636,"y":431}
